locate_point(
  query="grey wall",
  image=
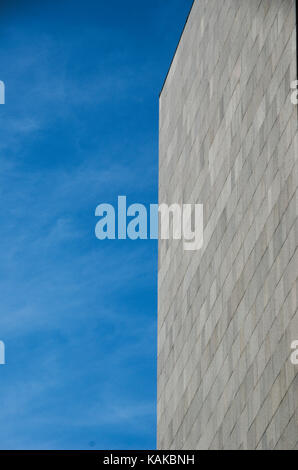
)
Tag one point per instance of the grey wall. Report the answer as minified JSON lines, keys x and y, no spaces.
{"x":227,"y":314}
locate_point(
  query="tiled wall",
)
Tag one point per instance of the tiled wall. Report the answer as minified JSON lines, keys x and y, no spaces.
{"x":227,"y":314}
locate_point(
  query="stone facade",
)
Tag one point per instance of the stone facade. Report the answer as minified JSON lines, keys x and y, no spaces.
{"x":227,"y":314}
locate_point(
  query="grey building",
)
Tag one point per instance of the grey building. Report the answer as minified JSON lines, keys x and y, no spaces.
{"x":227,"y":314}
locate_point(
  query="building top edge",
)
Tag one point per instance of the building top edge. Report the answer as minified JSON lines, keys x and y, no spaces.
{"x":169,"y":69}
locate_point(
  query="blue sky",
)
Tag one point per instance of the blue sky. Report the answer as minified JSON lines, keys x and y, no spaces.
{"x":79,"y":127}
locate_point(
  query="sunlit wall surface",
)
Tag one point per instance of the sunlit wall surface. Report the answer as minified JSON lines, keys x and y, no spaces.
{"x":228,"y":313}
